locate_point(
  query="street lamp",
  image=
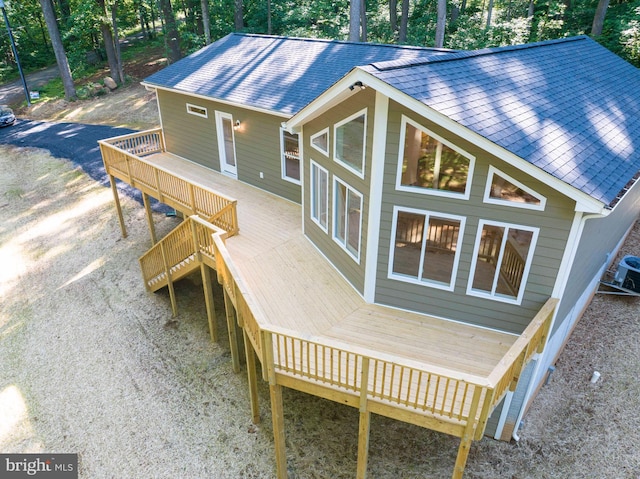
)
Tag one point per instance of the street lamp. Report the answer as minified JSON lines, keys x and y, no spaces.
{"x":15,"y":53}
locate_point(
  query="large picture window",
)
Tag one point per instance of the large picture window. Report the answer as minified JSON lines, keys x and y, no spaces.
{"x":349,"y":142}
{"x":424,"y":247}
{"x":429,"y":164}
{"x":290,"y":147}
{"x":347,"y":218}
{"x":319,"y":195}
{"x":501,"y":261}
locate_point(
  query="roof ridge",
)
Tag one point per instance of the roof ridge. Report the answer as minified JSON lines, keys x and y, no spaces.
{"x":344,"y":42}
{"x":464,"y":54}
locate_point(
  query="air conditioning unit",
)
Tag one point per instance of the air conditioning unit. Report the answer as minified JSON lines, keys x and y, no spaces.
{"x":628,"y":274}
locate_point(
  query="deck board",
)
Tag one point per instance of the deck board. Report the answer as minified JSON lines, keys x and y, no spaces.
{"x":299,"y":290}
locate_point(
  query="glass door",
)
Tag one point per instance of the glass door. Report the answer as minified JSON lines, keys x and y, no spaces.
{"x":226,"y":144}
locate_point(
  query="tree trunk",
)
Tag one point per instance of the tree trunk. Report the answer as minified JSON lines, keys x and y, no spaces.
{"x":206,"y":21}
{"x":114,"y":23}
{"x":107,"y":38}
{"x":598,"y":18}
{"x":489,"y":13}
{"x":238,"y":18}
{"x":532,"y":9}
{"x":404,"y":22}
{"x":171,"y":38}
{"x":354,"y":20}
{"x":363,"y":20}
{"x":393,"y":15}
{"x":269,"y":31}
{"x":440,"y":24}
{"x":58,"y":49}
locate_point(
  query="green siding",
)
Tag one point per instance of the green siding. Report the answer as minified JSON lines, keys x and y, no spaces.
{"x":554,"y":223}
{"x":354,"y":272}
{"x":257,"y":141}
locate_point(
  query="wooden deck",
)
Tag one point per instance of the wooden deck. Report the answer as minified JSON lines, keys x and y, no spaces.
{"x":309,"y":328}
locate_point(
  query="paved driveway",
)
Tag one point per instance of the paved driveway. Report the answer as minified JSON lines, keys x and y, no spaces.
{"x":74,"y":141}
{"x":13,"y":93}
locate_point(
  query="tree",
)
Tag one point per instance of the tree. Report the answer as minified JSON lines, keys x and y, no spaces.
{"x":355,"y":8}
{"x":393,"y":15}
{"x":404,"y":22}
{"x":171,"y":36}
{"x":440,"y":24}
{"x":598,"y":18}
{"x":238,"y":18}
{"x":58,"y":49}
{"x":206,"y":22}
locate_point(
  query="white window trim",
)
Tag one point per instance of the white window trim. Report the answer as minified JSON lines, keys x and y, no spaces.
{"x":359,"y":174}
{"x":456,"y":260}
{"x":283,"y":160}
{"x":515,"y":204}
{"x":431,"y":191}
{"x":312,"y":189}
{"x":335,"y":219}
{"x":525,"y":274}
{"x":320,"y":133}
{"x":191,"y":106}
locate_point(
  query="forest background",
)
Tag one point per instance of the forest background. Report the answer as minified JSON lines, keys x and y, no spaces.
{"x":82,"y":34}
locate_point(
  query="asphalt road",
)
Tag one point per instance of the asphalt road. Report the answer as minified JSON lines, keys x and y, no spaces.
{"x":74,"y":141}
{"x":13,"y":93}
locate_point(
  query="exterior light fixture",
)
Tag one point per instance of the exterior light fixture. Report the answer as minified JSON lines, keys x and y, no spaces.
{"x":357,"y":84}
{"x":235,"y":127}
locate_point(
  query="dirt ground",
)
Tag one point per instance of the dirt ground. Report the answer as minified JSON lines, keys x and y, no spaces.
{"x":90,"y":363}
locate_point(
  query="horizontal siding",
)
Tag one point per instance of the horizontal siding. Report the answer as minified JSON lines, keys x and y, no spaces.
{"x":554,"y":223}
{"x":257,"y":141}
{"x":354,"y":272}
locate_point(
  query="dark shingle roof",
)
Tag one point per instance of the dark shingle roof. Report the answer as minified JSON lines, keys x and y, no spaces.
{"x":274,"y":73}
{"x":570,"y":106}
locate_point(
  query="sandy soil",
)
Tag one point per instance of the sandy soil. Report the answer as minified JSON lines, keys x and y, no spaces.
{"x":90,"y":363}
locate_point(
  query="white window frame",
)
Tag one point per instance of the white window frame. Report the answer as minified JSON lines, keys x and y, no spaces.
{"x":416,"y":280}
{"x":359,"y":174}
{"x":515,"y":204}
{"x":431,"y":191}
{"x":525,"y":273}
{"x":284,"y":159}
{"x":343,"y":244}
{"x":191,"y":111}
{"x":316,"y":147}
{"x":314,"y":193}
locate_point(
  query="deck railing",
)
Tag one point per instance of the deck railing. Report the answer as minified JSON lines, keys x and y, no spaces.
{"x":123,"y":158}
{"x":446,"y":395}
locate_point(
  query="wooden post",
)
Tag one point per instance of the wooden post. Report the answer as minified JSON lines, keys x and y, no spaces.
{"x":277,"y":416}
{"x":147,"y":209}
{"x":252,"y":376}
{"x":208,"y":300}
{"x":365,"y":422}
{"x":467,"y":435}
{"x":167,"y":270}
{"x":231,"y":326}
{"x":116,"y":198}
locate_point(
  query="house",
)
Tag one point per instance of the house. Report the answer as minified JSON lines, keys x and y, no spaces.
{"x":441,"y":218}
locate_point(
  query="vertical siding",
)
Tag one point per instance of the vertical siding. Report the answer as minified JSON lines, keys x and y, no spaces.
{"x":354,"y":272}
{"x":257,"y":141}
{"x":554,"y":223}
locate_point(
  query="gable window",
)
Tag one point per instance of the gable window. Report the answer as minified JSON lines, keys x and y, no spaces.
{"x":290,"y":147}
{"x":501,"y":261}
{"x":320,"y":141}
{"x":424,"y":248}
{"x":503,"y":190}
{"x":347,"y":218}
{"x":197,"y":110}
{"x":430,"y":164}
{"x":349,"y":142}
{"x":319,"y":195}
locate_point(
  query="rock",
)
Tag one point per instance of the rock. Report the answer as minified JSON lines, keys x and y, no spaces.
{"x":110,"y":83}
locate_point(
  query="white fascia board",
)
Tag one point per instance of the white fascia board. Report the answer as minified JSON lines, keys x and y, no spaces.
{"x":217,"y":100}
{"x":340,"y":90}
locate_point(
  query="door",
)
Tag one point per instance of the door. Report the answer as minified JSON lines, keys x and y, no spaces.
{"x":226,"y":144}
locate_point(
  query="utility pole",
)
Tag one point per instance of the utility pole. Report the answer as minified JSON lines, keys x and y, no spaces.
{"x":15,"y":53}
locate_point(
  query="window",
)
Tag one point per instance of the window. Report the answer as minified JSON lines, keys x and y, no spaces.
{"x":289,"y":146}
{"x":319,"y":195}
{"x":503,"y":190}
{"x":349,"y":142}
{"x":197,"y":110}
{"x":501,"y":261}
{"x":320,"y":141}
{"x":424,"y":247}
{"x":429,"y":164}
{"x":347,"y":218}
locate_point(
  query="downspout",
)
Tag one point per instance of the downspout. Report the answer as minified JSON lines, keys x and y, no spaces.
{"x":580,"y":220}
